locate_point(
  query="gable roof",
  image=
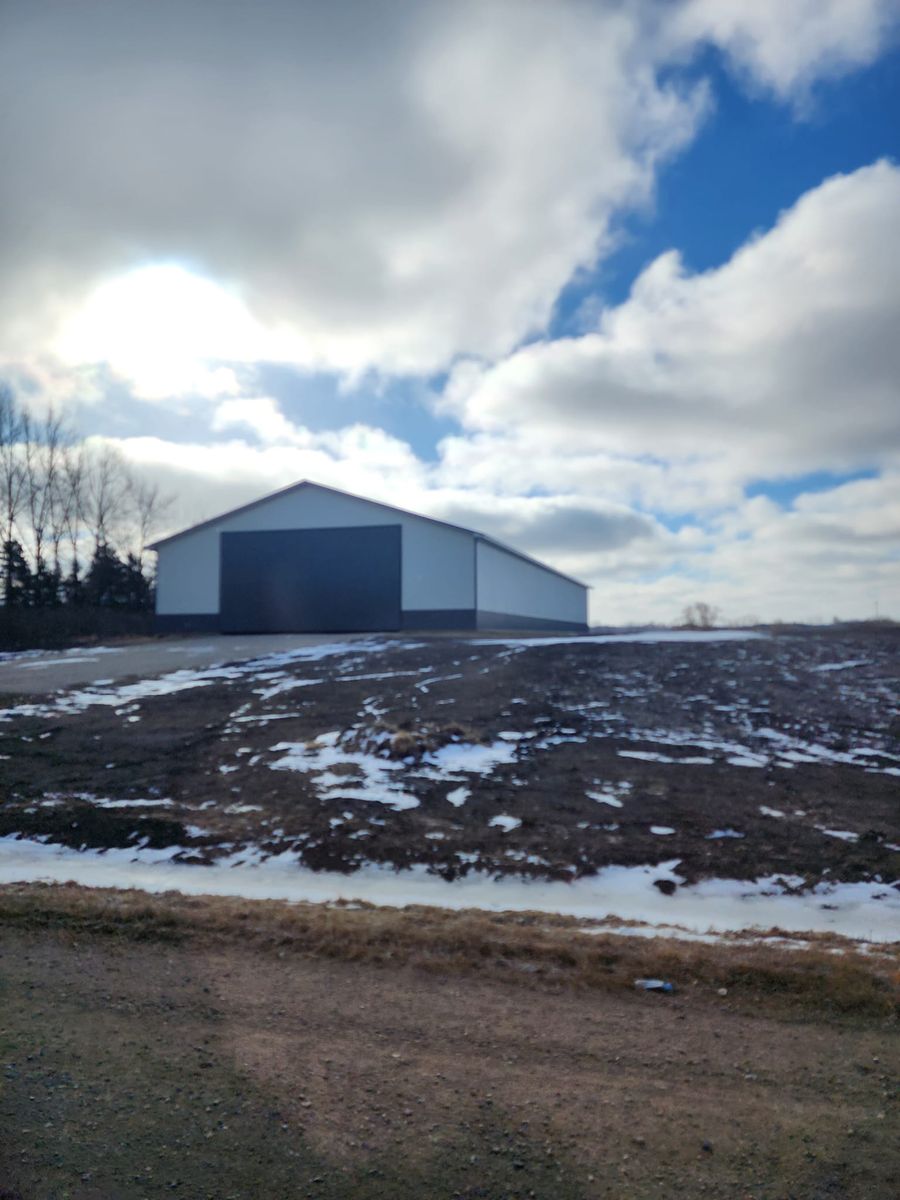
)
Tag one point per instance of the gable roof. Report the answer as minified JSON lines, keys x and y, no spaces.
{"x":308,"y":483}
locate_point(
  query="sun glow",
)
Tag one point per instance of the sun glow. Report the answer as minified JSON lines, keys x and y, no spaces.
{"x":168,"y":331}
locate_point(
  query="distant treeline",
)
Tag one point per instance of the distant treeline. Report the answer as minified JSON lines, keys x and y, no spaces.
{"x":75,"y":519}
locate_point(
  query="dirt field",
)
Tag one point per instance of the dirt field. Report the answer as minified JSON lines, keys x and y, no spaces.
{"x":744,"y":758}
{"x":227,"y":1051}
{"x":221,"y":1049}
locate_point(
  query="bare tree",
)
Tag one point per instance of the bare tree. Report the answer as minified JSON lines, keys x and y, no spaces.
{"x":73,"y":500}
{"x":700,"y":616}
{"x":106,"y":495}
{"x":42,"y":450}
{"x":150,"y":506}
{"x":62,"y":499}
{"x":59,"y":443}
{"x":12,"y":479}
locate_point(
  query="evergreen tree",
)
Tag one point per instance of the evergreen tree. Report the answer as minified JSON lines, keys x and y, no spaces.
{"x":16,"y":575}
{"x":106,"y":582}
{"x":139,"y":591}
{"x":73,"y":586}
{"x":45,"y":586}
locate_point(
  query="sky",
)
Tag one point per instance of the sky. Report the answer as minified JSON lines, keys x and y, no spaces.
{"x":616,"y":281}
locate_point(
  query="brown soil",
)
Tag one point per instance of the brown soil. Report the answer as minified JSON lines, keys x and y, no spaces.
{"x":214,"y":1067}
{"x":586,"y":702}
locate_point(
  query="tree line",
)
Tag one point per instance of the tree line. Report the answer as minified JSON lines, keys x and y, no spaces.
{"x":75,"y":518}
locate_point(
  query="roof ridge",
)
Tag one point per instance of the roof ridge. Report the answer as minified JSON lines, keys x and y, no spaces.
{"x":292,"y":487}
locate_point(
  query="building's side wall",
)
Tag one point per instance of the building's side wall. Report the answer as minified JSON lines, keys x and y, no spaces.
{"x":438,"y":575}
{"x":515,"y":594}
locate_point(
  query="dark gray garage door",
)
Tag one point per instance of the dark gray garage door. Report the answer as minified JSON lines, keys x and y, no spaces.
{"x":311,"y":580}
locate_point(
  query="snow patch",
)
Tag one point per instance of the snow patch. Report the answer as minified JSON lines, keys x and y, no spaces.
{"x":842,"y":666}
{"x":654,"y":635}
{"x":507,"y":824}
{"x":605,"y":798}
{"x":471,"y":757}
{"x":856,"y":910}
{"x":369,"y":777}
{"x":845,"y":835}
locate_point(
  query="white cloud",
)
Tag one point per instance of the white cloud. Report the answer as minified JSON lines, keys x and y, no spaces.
{"x":260,"y":414}
{"x":833,"y":552}
{"x":211,"y":477}
{"x":359,"y":187}
{"x":393,"y":197}
{"x":788,"y":44}
{"x":783,"y":360}
{"x":420,"y":191}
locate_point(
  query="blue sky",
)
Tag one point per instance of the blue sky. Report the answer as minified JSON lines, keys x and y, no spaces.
{"x":616,"y":282}
{"x":753,"y":157}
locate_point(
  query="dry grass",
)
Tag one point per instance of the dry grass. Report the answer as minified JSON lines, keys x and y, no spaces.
{"x":409,"y":740}
{"x":825,"y":976}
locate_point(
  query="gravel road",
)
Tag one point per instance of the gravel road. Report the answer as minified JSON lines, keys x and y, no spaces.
{"x":146,"y":1070}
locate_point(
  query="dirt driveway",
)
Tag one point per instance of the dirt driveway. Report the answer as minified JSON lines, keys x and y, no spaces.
{"x":34,"y":672}
{"x":155,"y":1069}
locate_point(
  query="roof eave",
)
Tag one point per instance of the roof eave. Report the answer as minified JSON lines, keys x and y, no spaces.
{"x":293,"y":487}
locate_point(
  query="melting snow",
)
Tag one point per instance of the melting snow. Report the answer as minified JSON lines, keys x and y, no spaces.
{"x":845,"y":835}
{"x":471,"y":757}
{"x":177,"y":681}
{"x":655,"y":635}
{"x":58,"y":662}
{"x":371,"y":778}
{"x":102,"y":802}
{"x":605,"y":798}
{"x":856,"y":910}
{"x":507,"y":824}
{"x":842,"y":666}
{"x":647,"y":756}
{"x":285,"y":685}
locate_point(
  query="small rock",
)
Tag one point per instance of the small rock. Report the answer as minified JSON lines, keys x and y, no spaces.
{"x":722,"y":992}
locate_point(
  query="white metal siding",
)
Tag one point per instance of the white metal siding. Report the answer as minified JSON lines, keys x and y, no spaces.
{"x":438,"y":563}
{"x":508,"y":584}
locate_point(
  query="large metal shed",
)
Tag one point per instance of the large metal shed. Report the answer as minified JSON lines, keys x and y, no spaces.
{"x":312,"y":559}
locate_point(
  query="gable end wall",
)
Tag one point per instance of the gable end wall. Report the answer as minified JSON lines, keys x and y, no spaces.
{"x":438,"y":570}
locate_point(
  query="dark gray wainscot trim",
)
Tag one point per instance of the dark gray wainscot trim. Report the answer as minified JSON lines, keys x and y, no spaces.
{"x":495,"y":620}
{"x":187,"y":623}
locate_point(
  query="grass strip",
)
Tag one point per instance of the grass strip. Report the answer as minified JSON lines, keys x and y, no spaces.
{"x":820,"y":975}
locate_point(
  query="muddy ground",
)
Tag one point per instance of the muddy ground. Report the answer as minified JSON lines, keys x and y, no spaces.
{"x":742,"y":758}
{"x":131,"y":1070}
